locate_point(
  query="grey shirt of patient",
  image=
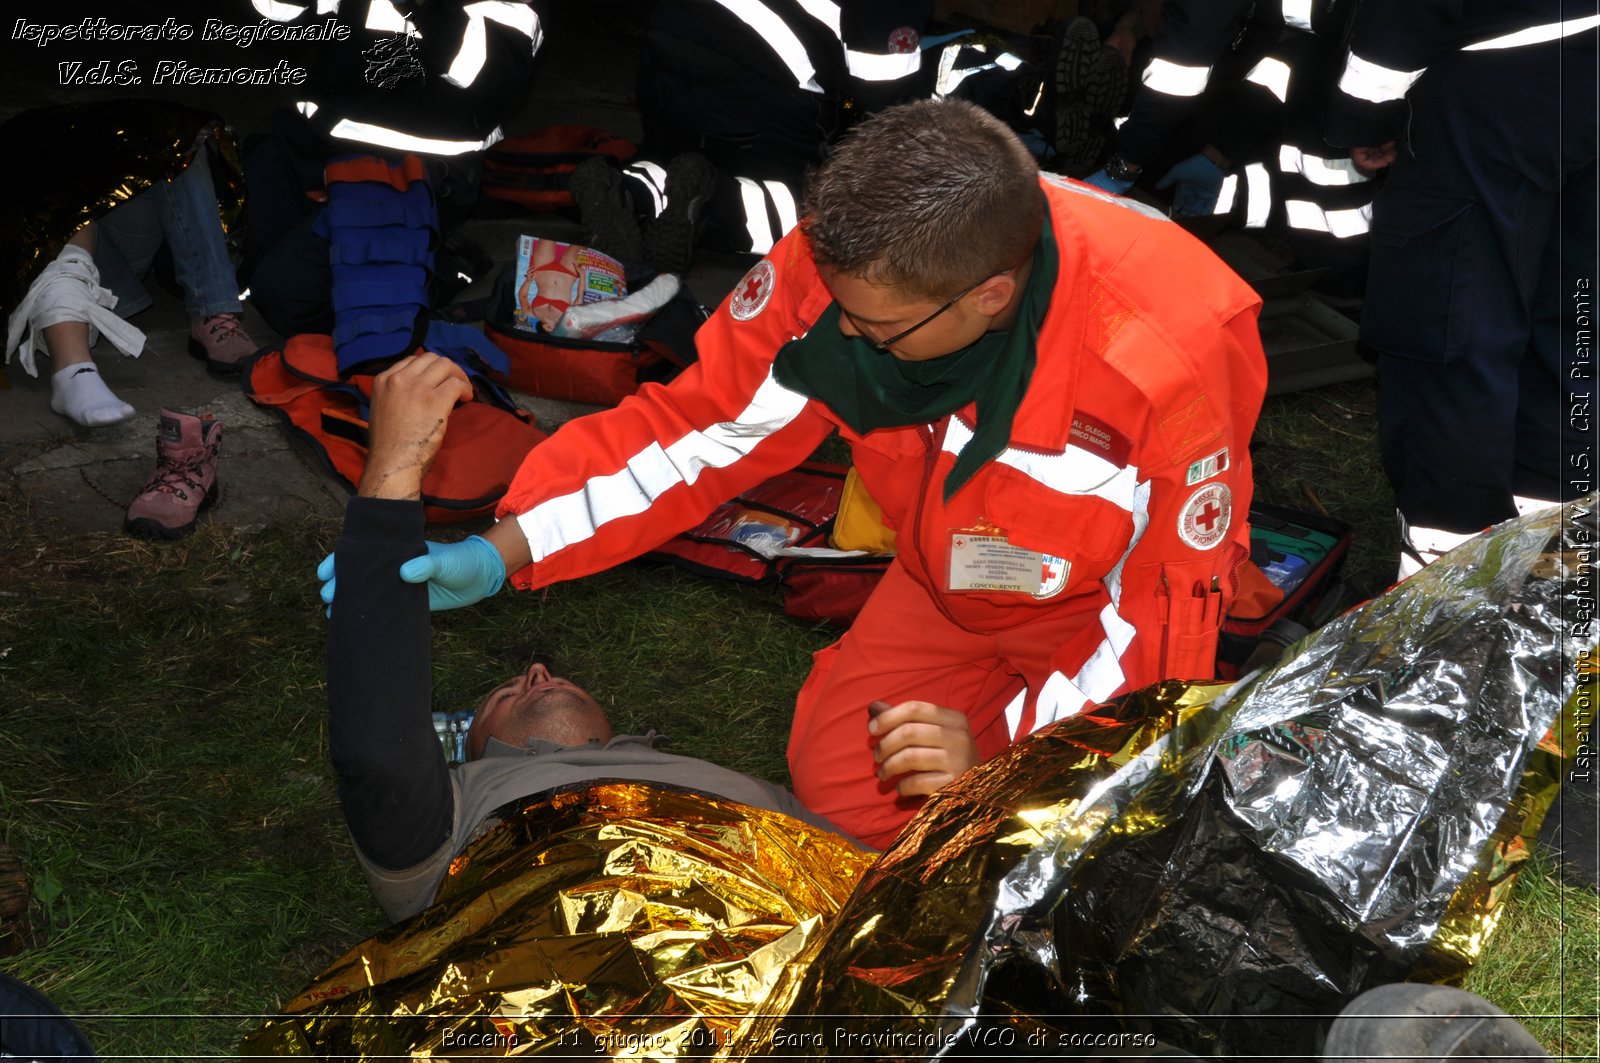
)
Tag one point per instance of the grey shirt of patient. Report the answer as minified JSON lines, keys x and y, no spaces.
{"x":505,"y":773}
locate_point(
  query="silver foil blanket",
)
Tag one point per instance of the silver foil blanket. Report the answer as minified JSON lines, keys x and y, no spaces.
{"x":1242,"y":859}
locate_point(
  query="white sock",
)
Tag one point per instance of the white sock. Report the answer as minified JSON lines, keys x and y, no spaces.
{"x":79,"y":392}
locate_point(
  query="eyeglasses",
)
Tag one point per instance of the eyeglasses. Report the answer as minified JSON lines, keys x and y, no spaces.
{"x":882,"y":346}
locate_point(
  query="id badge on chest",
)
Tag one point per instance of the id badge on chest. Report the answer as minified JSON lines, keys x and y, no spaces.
{"x":987,"y":562}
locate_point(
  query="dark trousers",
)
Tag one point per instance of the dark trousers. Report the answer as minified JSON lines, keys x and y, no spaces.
{"x":1482,"y":235}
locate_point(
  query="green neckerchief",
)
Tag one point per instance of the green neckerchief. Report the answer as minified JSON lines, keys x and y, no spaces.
{"x":868,"y":389}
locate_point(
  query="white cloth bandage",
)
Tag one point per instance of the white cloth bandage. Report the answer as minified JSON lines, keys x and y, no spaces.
{"x":68,"y":290}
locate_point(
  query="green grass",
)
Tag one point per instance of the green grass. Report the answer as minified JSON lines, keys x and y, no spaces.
{"x":163,"y":755}
{"x":1543,"y":963}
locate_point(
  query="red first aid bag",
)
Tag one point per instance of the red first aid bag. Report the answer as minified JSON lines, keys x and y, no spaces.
{"x":781,"y":530}
{"x":483,"y":445}
{"x":591,"y":371}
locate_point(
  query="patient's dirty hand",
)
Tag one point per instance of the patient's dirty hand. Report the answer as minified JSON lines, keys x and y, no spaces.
{"x":411,"y":404}
{"x":457,"y":574}
{"x":924,"y":744}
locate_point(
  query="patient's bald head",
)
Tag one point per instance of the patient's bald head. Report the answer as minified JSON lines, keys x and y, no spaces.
{"x":536,"y":704}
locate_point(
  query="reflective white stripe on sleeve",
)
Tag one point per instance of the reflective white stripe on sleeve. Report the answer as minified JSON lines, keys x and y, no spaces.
{"x":1014,"y":712}
{"x":471,"y":56}
{"x":1272,"y":75}
{"x":1171,"y":79}
{"x":1059,"y":698}
{"x":755,"y":216}
{"x":882,"y":66}
{"x":1078,"y":188}
{"x":948,"y":77}
{"x":1366,"y":80}
{"x":278,"y":11}
{"x":469,"y":60}
{"x":783,"y":202}
{"x":1297,"y":14}
{"x":824,"y":11}
{"x":1526,"y":504}
{"x":327,"y":7}
{"x":1226,"y":194}
{"x":779,"y":37}
{"x":1551,"y":31}
{"x":384,"y":137}
{"x":1330,"y":173}
{"x":1340,"y":223}
{"x":948,"y":85}
{"x":572,"y":518}
{"x":654,"y":177}
{"x":1258,"y":195}
{"x":1101,"y":675}
{"x":519,"y":17}
{"x":1073,"y":471}
{"x":383,"y":18}
{"x":1007,"y":61}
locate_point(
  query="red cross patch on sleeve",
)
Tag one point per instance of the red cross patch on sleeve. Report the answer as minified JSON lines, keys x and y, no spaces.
{"x":750,"y":295}
{"x":1203,"y":521}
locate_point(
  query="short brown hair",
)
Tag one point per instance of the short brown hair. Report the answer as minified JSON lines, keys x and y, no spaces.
{"x":926,"y":198}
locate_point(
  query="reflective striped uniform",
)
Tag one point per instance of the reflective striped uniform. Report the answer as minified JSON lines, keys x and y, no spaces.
{"x":1126,"y":482}
{"x":1482,"y":233}
{"x":1292,"y":181}
{"x":759,"y":86}
{"x":437,"y":83}
{"x":1254,"y":78}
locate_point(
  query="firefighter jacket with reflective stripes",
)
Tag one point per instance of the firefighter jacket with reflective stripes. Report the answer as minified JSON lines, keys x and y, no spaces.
{"x":866,"y":52}
{"x":1125,"y":486}
{"x":437,"y":83}
{"x":1393,"y":42}
{"x":1195,"y":37}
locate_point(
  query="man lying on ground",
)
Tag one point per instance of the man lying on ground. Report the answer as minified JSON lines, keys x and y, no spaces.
{"x":408,"y":812}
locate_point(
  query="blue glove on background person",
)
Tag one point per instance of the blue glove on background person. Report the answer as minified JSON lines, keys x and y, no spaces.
{"x":457,"y":574}
{"x":1106,"y":183}
{"x":1198,"y":181}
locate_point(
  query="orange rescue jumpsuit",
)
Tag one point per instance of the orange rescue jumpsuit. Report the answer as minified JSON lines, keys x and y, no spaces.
{"x":1095,"y":555}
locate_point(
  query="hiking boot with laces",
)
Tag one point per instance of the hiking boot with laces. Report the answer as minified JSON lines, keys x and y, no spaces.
{"x":222,"y":341}
{"x":669,"y":241}
{"x":185,"y":480}
{"x":605,"y":210}
{"x":1085,"y":86}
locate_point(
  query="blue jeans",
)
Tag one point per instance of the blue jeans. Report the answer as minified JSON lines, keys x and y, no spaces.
{"x":183,"y":213}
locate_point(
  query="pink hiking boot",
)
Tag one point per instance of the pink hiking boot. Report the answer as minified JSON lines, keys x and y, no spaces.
{"x":185,"y":480}
{"x":221,"y":341}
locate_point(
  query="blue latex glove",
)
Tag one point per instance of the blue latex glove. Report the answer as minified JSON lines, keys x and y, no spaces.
{"x":1106,"y":183}
{"x":1199,"y":182}
{"x":457,"y":574}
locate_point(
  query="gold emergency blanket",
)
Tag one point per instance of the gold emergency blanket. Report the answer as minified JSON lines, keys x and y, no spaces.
{"x":1352,"y":817}
{"x":83,"y":159}
{"x":1214,"y":867}
{"x":618,"y":921}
